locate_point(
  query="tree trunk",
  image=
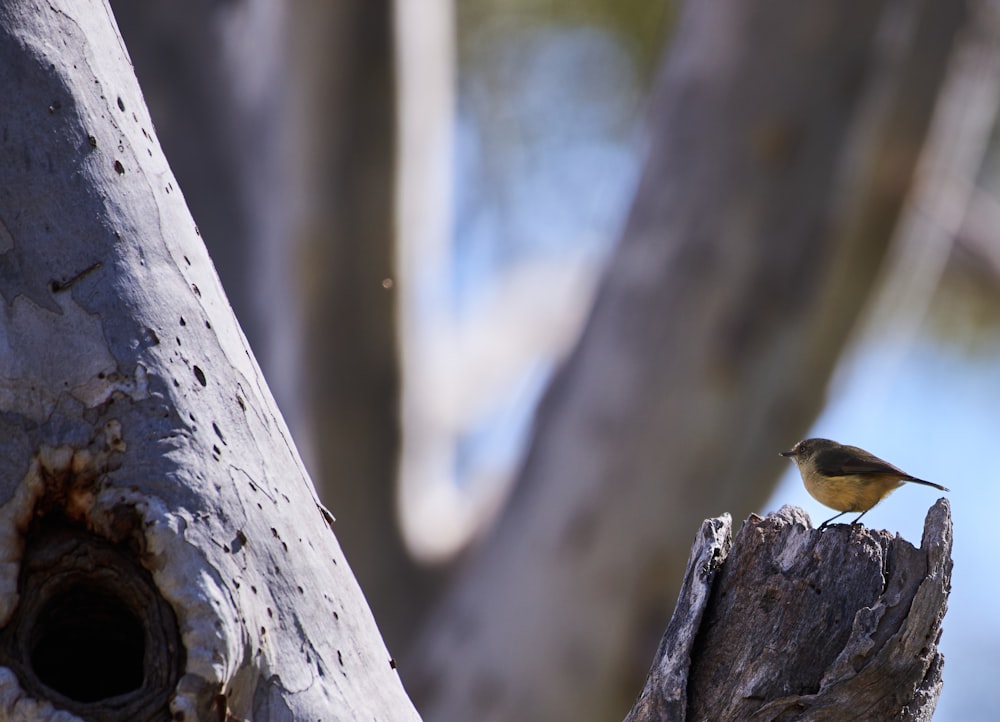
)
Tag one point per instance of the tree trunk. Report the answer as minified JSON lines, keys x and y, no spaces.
{"x":785,"y":140}
{"x":215,"y":78}
{"x":795,"y":623}
{"x":164,"y":555}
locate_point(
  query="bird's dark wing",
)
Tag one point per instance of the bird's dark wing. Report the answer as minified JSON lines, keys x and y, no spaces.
{"x":850,"y":460}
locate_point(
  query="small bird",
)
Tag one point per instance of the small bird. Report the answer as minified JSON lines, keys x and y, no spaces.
{"x":847,"y":478}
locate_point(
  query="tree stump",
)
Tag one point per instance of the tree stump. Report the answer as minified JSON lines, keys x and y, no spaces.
{"x":786,"y":622}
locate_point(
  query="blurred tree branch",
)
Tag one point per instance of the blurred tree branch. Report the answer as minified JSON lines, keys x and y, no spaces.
{"x":948,"y":214}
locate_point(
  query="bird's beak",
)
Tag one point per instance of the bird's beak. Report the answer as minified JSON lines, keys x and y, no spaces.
{"x":787,"y":453}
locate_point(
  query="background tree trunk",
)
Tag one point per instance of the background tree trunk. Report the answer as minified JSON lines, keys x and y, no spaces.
{"x":788,"y":622}
{"x":346,"y":110}
{"x":152,"y":505}
{"x":785,"y":140}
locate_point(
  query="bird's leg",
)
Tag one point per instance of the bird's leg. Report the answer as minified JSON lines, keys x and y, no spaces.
{"x":859,"y":517}
{"x":834,"y":517}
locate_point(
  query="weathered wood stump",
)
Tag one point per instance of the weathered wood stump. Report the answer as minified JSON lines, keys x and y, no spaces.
{"x":787,"y":622}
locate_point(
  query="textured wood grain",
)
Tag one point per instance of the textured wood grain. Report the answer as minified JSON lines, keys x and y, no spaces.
{"x":801,"y":623}
{"x":665,"y":694}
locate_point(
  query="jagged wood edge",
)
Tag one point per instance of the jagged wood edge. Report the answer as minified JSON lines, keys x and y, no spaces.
{"x":664,"y":696}
{"x":914,"y":644}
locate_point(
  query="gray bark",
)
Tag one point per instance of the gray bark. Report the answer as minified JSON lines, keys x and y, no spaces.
{"x":785,"y":140}
{"x":152,"y":505}
{"x":215,"y":78}
{"x":788,"y":623}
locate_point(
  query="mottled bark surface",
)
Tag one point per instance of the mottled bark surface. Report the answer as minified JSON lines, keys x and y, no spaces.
{"x":795,"y":623}
{"x":156,"y":522}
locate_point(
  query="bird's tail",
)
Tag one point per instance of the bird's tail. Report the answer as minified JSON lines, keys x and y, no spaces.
{"x":915,"y":480}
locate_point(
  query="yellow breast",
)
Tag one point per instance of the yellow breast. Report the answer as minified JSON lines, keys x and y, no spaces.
{"x":850,"y":493}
